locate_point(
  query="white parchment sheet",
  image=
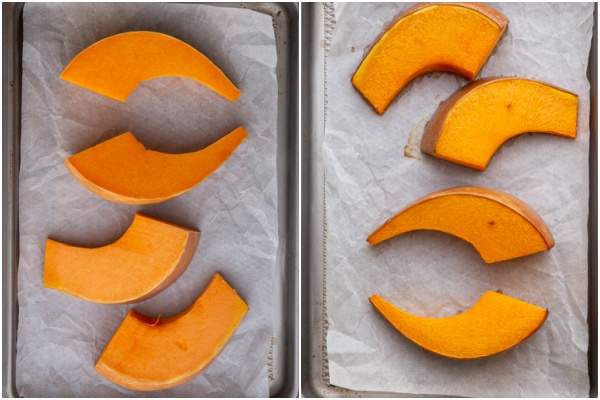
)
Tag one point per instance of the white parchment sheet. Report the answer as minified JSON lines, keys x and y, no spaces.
{"x":374,"y":168}
{"x":61,"y":337}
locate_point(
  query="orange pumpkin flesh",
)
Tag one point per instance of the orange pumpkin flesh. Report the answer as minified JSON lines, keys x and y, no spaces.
{"x":454,"y":37}
{"x":475,"y":121}
{"x":154,"y":354}
{"x":498,"y":225}
{"x":150,"y":256}
{"x":115,"y":66}
{"x":123,"y":170}
{"x":495,"y":323}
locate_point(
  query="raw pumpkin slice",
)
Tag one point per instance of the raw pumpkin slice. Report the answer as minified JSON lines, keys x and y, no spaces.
{"x":123,"y":170}
{"x":150,"y":256}
{"x":495,"y":323}
{"x":115,"y":66}
{"x":476,"y":120}
{"x":160,"y":353}
{"x":452,"y":37}
{"x":497,"y":224}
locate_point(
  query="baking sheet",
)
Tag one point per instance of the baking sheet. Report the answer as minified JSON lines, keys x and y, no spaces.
{"x":369,"y":178}
{"x":59,"y":337}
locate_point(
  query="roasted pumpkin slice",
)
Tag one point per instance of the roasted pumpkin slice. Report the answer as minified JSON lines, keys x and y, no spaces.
{"x":150,"y":256}
{"x":495,"y":323}
{"x":160,"y":353}
{"x":451,"y":37}
{"x":123,"y":170}
{"x":499,"y":225}
{"x":115,"y":66}
{"x":476,"y":120}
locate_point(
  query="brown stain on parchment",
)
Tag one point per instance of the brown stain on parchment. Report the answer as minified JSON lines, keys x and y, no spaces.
{"x":412,"y":148}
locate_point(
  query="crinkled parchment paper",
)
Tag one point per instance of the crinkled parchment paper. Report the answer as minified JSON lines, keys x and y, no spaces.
{"x":374,"y":168}
{"x":60,"y":337}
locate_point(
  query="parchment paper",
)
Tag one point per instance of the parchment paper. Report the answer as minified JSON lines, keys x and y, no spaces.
{"x":61,"y":337}
{"x":374,"y":168}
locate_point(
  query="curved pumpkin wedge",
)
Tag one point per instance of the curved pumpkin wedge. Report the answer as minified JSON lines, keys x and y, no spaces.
{"x":115,"y":66}
{"x":150,"y":256}
{"x":497,"y":224}
{"x":495,"y":323}
{"x":121,"y":169}
{"x":154,"y":354}
{"x":452,"y":37}
{"x":476,"y":120}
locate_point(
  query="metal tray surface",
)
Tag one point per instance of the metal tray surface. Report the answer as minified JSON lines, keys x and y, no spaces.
{"x":283,"y":357}
{"x":316,"y":30}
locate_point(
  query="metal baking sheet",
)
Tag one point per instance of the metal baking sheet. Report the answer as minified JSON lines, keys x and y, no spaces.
{"x":316,"y":30}
{"x":283,"y":361}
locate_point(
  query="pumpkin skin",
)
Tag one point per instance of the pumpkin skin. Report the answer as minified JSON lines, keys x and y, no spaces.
{"x":476,"y":120}
{"x":494,"y":324}
{"x":447,"y":37}
{"x":160,"y":353}
{"x":497,"y":224}
{"x":122,"y":170}
{"x":150,"y":256}
{"x":115,"y":66}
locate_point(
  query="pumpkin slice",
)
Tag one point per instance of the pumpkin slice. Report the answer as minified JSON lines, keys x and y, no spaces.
{"x":453,"y":37}
{"x":150,"y":256}
{"x":123,"y":170}
{"x":160,"y":353}
{"x":476,"y":120}
{"x":495,"y":323}
{"x":115,"y":66}
{"x":497,"y":224}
